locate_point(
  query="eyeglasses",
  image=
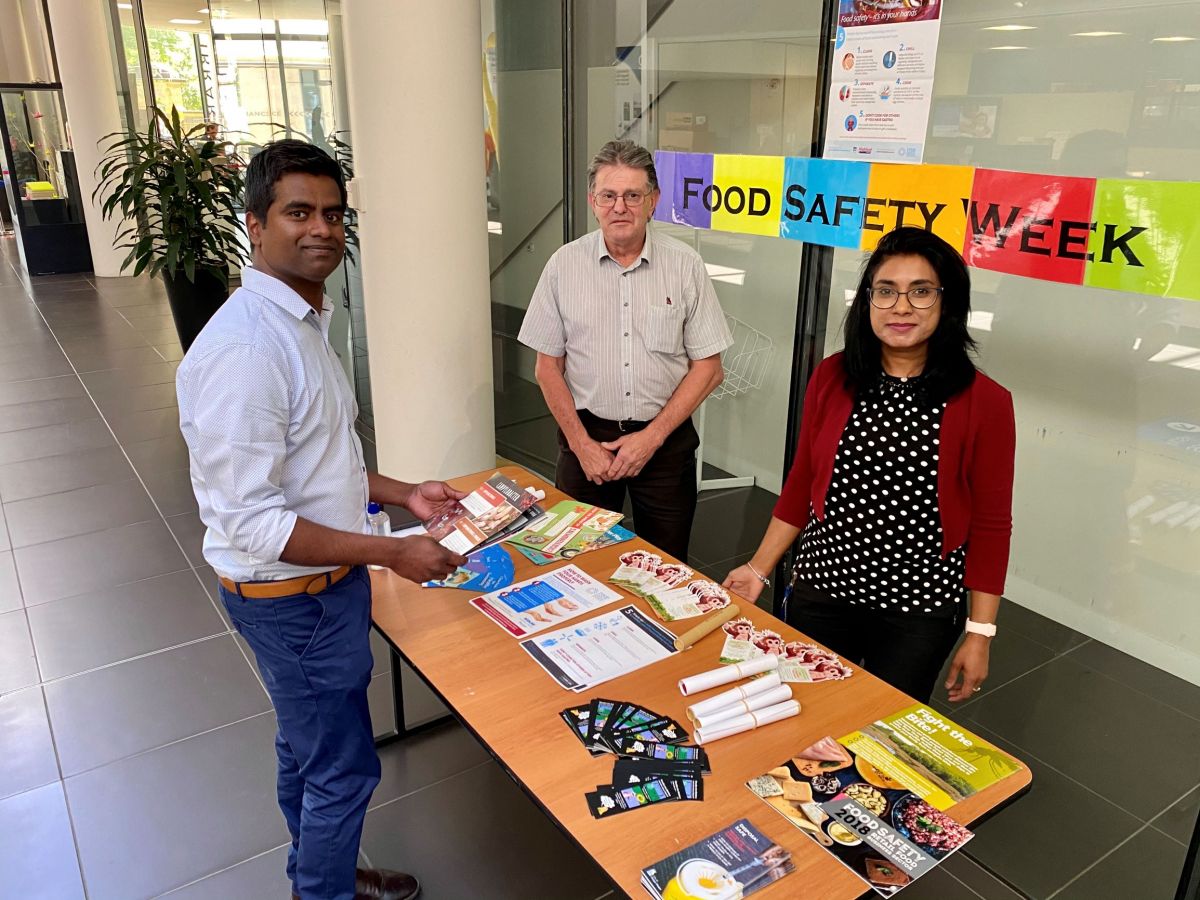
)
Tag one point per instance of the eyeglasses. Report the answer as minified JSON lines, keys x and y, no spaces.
{"x":918,"y":297}
{"x":632,"y":199}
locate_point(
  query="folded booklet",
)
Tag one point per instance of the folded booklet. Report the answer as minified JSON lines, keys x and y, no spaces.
{"x":481,"y":514}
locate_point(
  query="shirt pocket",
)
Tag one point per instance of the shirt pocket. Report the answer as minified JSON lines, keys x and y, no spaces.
{"x":664,"y":331}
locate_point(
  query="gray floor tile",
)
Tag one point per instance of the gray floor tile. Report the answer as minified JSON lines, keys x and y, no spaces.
{"x":427,"y":833}
{"x":41,"y":346}
{"x":172,"y":491}
{"x":18,"y":667}
{"x":162,"y":335}
{"x":120,"y":710}
{"x":1179,"y":821}
{"x":10,"y":588}
{"x":1053,"y":713}
{"x":423,"y":759}
{"x":90,"y":562}
{"x":1162,"y":686}
{"x":100,"y":360}
{"x":936,"y":885}
{"x":46,"y":366}
{"x":170,"y":350}
{"x":19,"y":416}
{"x":61,"y":387}
{"x":119,"y":335}
{"x":53,"y":474}
{"x":26,"y":747}
{"x":263,"y":876}
{"x":80,"y":511}
{"x":379,"y":702}
{"x":133,"y":376}
{"x":149,"y":318}
{"x":53,"y":440}
{"x":1058,"y":637}
{"x":5,"y":541}
{"x":158,"y":455}
{"x":1148,"y":867}
{"x":976,"y":879}
{"x":145,"y":425}
{"x":1011,"y":842}
{"x":79,"y":633}
{"x":135,"y":399}
{"x":743,"y":515}
{"x":190,"y":531}
{"x":175,"y":826}
{"x":37,"y":855}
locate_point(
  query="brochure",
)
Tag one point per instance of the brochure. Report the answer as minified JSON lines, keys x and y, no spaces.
{"x":883,"y":832}
{"x":538,"y":603}
{"x":487,"y":569}
{"x":732,"y":863}
{"x":614,"y":535}
{"x":567,"y":529}
{"x":938,"y":760}
{"x":600,"y":649}
{"x":479,"y":515}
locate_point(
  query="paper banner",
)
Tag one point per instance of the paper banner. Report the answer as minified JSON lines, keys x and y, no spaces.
{"x":925,"y":196}
{"x":823,"y":201}
{"x":682,"y":202}
{"x":747,"y":194}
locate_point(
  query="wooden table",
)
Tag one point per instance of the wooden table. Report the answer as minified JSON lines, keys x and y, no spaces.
{"x":503,"y":697}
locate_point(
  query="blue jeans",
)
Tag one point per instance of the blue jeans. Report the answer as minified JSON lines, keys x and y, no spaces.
{"x":314,"y":654}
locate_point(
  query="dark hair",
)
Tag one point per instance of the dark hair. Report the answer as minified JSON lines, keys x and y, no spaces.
{"x":949,"y":367}
{"x":280,"y":158}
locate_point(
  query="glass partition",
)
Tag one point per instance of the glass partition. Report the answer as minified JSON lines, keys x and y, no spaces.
{"x":25,"y":56}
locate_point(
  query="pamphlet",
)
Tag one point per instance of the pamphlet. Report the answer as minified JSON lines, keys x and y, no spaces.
{"x":567,"y":529}
{"x":549,"y":599}
{"x":487,"y":569}
{"x":614,"y":535}
{"x":874,"y":825}
{"x":600,"y":649}
{"x":479,"y":515}
{"x":734,"y":862}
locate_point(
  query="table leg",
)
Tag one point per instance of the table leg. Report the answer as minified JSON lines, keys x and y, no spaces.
{"x":402,"y":729}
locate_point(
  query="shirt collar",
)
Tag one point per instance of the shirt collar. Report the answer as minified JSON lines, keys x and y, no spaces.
{"x":601,"y":250}
{"x":271,"y":288}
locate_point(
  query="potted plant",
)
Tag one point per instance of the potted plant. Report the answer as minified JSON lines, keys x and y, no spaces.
{"x":177,"y":194}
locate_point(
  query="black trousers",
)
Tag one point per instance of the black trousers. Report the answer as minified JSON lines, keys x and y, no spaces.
{"x":905,"y":650}
{"x":663,"y":494}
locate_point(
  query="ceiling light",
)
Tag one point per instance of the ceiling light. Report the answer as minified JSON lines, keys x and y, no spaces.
{"x":1010,"y":28}
{"x":1096,"y":33}
{"x":203,"y":12}
{"x":1008,"y":47}
{"x":1174,"y":39}
{"x":184,"y":21}
{"x":124,"y":6}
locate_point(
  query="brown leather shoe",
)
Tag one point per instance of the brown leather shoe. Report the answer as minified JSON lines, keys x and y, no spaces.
{"x":383,"y":884}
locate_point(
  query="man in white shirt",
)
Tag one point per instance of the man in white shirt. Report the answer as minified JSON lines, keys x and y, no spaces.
{"x":279,"y":477}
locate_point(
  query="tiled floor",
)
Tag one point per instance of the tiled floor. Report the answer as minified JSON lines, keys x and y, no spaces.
{"x":136,"y":753}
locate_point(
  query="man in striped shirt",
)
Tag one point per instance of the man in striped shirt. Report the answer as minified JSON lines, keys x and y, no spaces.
{"x":629,"y":336}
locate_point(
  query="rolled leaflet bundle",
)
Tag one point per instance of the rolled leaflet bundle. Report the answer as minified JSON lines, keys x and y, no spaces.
{"x":747,"y":722}
{"x":704,"y":681}
{"x":734,"y":695}
{"x":753,"y":703}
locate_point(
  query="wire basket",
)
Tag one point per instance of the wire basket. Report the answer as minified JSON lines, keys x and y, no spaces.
{"x":745,"y":362}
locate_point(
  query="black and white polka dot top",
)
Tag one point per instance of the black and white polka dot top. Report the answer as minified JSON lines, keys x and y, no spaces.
{"x":880,"y":543}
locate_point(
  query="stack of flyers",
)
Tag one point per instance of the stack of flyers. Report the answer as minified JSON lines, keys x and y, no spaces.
{"x":798,"y":661}
{"x":549,"y":599}
{"x":604,"y":726}
{"x":614,"y":535}
{"x":664,"y":586}
{"x":481,"y":514}
{"x":734,"y":862}
{"x":567,"y":529}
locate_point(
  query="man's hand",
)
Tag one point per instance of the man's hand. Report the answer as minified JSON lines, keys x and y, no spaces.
{"x":421,"y":558}
{"x":594,"y":459}
{"x":633,"y":452}
{"x":429,"y":498}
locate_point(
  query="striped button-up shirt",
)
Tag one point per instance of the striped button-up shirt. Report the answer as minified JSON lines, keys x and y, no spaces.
{"x":627,"y":333}
{"x":268,"y":417}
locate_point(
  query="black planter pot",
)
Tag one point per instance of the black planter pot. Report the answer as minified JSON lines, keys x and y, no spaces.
{"x":193,"y":303}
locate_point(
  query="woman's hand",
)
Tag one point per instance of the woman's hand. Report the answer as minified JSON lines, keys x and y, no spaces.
{"x":971,"y":664}
{"x":743,"y":582}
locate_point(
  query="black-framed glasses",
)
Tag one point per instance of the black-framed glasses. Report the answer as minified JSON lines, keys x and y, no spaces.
{"x":632,"y":199}
{"x":918,"y":297}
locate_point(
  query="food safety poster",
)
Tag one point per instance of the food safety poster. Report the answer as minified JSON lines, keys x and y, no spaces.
{"x":882,"y":80}
{"x":544,"y":601}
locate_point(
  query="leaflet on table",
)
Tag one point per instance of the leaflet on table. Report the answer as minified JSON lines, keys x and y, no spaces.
{"x":527,"y":515}
{"x":936,"y":759}
{"x":545,"y":600}
{"x":884,"y":833}
{"x":734,"y":862}
{"x":614,"y":535}
{"x":487,"y":569}
{"x":479,"y":515}
{"x":798,"y":661}
{"x":567,"y":529}
{"x":600,"y":649}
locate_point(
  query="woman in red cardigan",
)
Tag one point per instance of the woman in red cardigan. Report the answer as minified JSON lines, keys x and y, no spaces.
{"x":901,"y":490}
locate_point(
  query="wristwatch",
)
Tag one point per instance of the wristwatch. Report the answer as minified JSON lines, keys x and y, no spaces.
{"x":987,"y":629}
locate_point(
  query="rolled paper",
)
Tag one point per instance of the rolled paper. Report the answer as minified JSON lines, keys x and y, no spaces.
{"x":707,"y":627}
{"x":704,"y":681}
{"x":747,"y":722}
{"x":732,"y":696}
{"x":772,"y":697}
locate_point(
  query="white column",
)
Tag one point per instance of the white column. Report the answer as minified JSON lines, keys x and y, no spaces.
{"x":90,"y":93}
{"x":416,"y":113}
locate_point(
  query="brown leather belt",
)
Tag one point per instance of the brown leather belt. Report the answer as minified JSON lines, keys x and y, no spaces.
{"x":272,"y":590}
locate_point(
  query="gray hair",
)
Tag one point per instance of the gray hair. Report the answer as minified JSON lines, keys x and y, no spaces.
{"x":622,"y":153}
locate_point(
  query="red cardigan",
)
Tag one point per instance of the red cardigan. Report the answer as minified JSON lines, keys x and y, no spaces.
{"x":974,"y":477}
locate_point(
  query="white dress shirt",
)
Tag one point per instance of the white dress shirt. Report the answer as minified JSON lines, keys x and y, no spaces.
{"x":268,"y":417}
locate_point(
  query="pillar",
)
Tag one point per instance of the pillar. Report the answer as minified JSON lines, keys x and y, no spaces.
{"x":416,"y":112}
{"x":89,"y":85}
